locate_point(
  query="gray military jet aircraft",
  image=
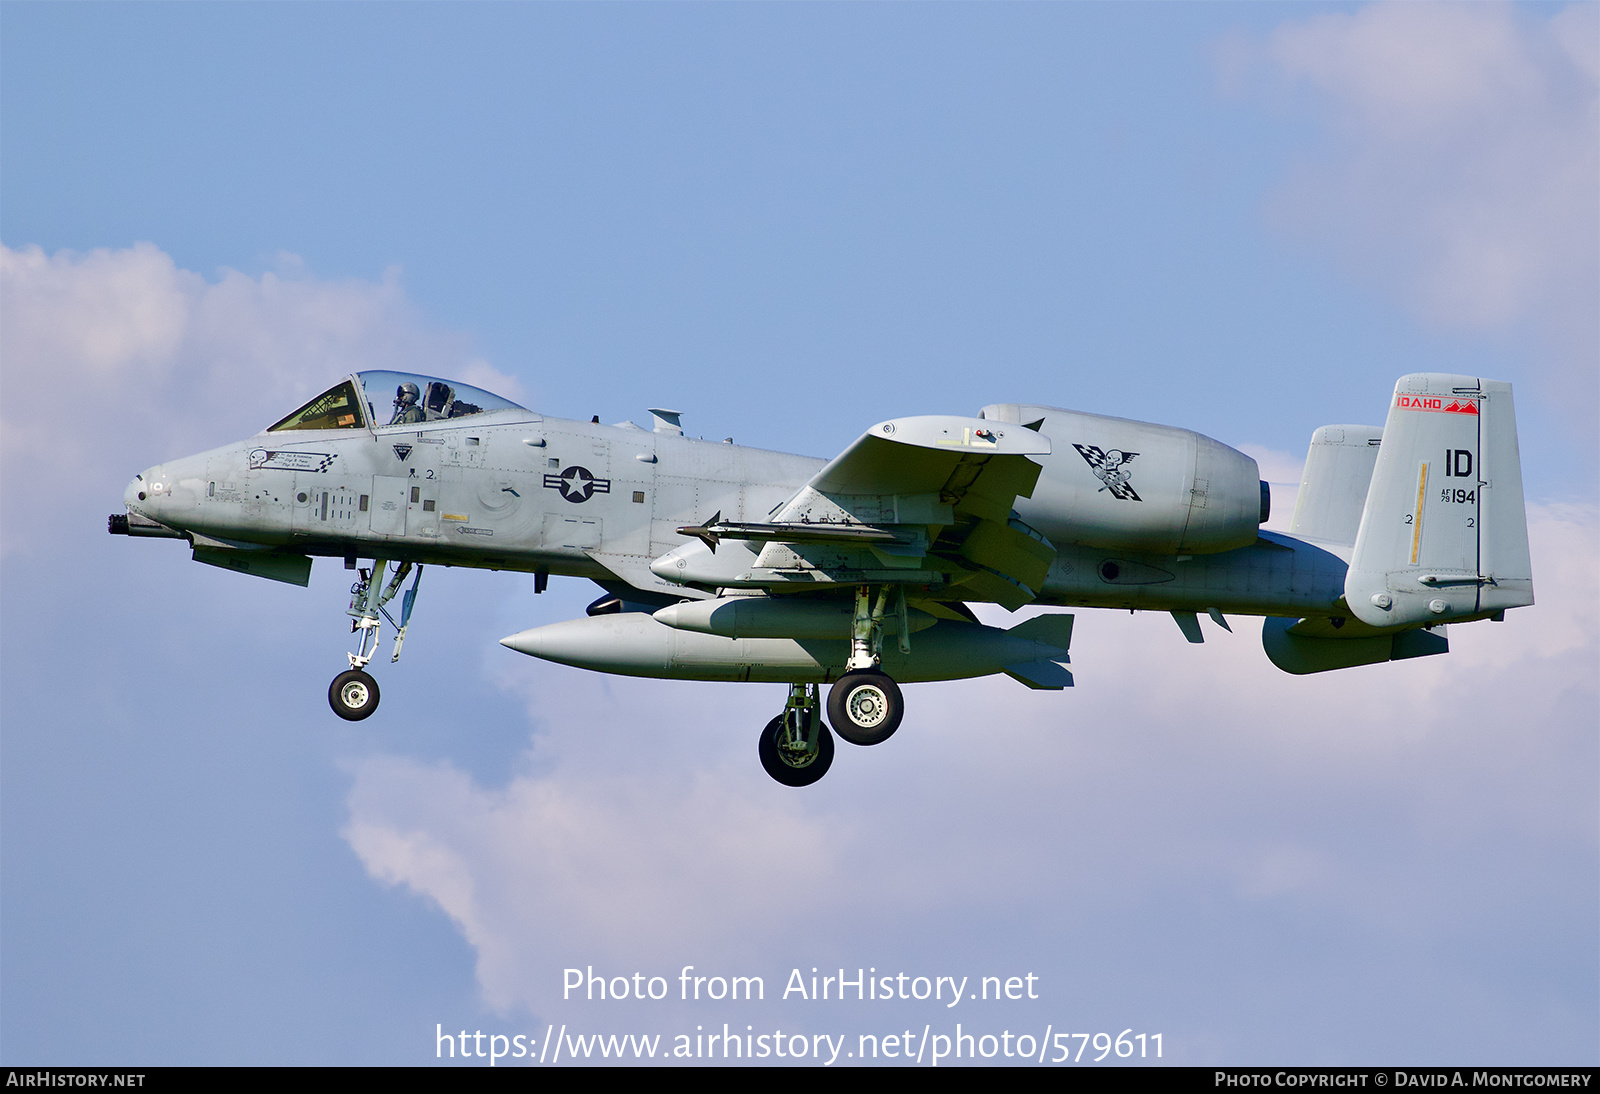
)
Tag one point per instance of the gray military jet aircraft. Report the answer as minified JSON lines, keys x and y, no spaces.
{"x":721,"y":562}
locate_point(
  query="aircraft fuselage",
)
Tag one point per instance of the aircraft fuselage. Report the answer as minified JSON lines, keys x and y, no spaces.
{"x":509,"y":491}
{"x":520,"y":491}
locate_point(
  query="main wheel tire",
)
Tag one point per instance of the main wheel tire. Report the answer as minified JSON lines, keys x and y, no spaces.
{"x":865,"y":707}
{"x":353,"y":695}
{"x":780,"y":762}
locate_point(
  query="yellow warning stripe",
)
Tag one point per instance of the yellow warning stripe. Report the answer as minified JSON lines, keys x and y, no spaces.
{"x":1416,"y":532}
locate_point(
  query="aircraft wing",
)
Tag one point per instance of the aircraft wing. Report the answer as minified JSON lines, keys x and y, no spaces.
{"x":977,"y":466}
{"x":910,"y":497}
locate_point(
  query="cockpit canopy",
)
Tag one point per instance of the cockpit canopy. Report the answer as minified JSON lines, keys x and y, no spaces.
{"x":382,"y":398}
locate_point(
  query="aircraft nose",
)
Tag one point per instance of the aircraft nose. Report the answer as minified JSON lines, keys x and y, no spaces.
{"x":162,"y":492}
{"x":137,"y":496}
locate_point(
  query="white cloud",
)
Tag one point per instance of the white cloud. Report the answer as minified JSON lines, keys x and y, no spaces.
{"x":639,"y":828}
{"x":1282,"y":471}
{"x":1276,"y":466}
{"x":116,"y":359}
{"x":1463,"y":165}
{"x":581,"y":859}
{"x":641,"y":833}
{"x":95,"y":314}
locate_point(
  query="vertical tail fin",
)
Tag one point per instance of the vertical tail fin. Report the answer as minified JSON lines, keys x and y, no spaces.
{"x":1443,"y":534}
{"x":1333,"y":488}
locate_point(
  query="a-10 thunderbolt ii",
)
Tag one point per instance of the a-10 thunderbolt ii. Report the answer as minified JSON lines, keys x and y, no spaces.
{"x":722,"y":562}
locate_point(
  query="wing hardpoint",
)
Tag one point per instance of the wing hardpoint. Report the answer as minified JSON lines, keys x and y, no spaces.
{"x":924,"y":500}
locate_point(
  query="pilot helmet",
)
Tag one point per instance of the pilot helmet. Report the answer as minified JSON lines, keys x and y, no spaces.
{"x":406,"y":394}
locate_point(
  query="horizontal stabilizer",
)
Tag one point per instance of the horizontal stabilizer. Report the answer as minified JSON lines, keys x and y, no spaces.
{"x":1419,"y":643}
{"x":1302,"y":654}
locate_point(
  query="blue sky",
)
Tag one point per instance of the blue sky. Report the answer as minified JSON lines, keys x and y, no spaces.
{"x":789,"y":221}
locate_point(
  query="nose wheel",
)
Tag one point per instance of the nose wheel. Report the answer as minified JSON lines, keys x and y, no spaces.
{"x":353,"y":695}
{"x":796,"y":748}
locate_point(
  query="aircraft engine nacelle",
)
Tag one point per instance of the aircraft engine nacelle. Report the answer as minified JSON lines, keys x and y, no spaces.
{"x":1116,"y":483}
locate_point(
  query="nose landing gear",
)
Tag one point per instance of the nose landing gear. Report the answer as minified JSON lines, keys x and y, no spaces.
{"x":353,"y":695}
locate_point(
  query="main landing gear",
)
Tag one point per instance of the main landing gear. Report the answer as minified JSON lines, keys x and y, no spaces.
{"x":353,"y":695}
{"x":864,"y":705}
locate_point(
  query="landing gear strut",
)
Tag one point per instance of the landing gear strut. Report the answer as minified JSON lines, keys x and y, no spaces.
{"x":353,"y":695}
{"x":796,"y":748}
{"x":865,"y":706}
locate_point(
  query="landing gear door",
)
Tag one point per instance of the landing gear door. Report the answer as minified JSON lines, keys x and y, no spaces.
{"x":390,"y":499}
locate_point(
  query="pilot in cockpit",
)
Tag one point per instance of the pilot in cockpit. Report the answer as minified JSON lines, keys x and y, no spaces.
{"x":406,"y":410}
